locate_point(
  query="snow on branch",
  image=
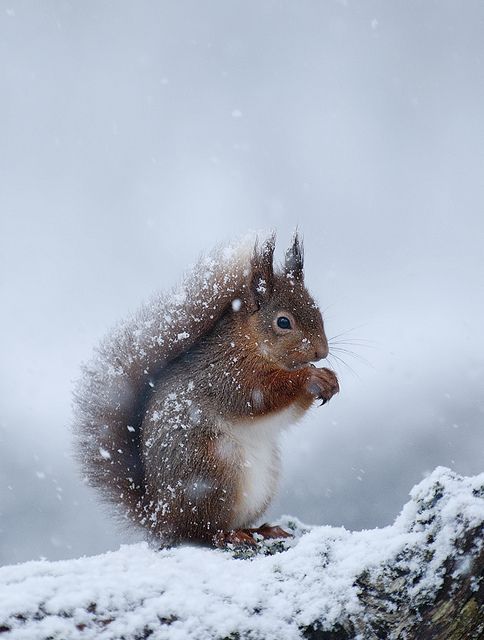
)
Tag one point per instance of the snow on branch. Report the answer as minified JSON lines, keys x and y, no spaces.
{"x":422,"y":577}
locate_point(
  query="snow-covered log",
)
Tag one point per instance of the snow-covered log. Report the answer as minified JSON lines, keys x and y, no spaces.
{"x":420,"y":578}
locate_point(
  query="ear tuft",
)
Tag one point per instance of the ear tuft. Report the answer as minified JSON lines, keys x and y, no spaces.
{"x":294,"y":263}
{"x":261,"y":278}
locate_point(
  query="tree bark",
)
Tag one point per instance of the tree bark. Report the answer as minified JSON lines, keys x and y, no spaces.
{"x":454,"y":612}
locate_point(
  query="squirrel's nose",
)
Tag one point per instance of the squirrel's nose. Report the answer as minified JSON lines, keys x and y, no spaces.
{"x":321,"y":350}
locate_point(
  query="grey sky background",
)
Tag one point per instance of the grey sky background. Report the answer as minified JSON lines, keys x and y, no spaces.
{"x":134,"y":135}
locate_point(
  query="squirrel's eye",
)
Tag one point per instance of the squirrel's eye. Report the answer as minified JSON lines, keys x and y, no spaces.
{"x":283,"y":322}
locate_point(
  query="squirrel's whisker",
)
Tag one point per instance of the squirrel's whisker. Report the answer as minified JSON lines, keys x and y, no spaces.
{"x":352,"y":354}
{"x":343,"y":362}
{"x":356,"y":342}
{"x":344,"y":333}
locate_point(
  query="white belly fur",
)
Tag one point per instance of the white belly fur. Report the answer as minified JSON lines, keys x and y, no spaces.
{"x":255,"y":446}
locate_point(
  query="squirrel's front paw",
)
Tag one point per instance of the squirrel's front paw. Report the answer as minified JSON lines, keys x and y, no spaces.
{"x":322,"y":384}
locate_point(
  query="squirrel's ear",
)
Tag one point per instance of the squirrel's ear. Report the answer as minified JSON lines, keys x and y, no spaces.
{"x":261,"y":277}
{"x":294,"y":263}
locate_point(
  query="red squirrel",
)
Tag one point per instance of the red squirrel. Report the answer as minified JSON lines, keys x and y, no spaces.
{"x":177,"y":417}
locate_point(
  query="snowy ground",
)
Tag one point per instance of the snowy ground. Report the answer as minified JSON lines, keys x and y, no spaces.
{"x":196,"y":593}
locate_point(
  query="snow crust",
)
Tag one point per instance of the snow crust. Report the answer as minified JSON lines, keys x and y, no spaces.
{"x":190,"y":593}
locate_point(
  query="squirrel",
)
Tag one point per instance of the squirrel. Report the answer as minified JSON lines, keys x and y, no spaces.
{"x":177,"y":416}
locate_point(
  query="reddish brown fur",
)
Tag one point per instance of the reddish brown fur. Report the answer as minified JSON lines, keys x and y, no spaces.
{"x":178,"y":468}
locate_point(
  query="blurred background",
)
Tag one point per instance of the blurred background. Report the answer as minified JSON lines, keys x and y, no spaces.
{"x":133,"y":135}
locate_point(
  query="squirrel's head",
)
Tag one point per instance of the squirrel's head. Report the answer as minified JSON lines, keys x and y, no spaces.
{"x":283,"y":318}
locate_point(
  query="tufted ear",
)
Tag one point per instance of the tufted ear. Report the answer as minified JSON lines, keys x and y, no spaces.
{"x":261,"y":277}
{"x":294,"y":262}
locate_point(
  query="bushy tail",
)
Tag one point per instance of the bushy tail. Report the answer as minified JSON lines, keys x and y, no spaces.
{"x":111,"y":396}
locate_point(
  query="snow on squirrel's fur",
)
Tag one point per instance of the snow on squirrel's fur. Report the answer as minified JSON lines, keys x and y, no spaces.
{"x":192,"y":593}
{"x":115,"y":383}
{"x":178,"y":418}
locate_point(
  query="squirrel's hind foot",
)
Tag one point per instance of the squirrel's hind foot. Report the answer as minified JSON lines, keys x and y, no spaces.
{"x":248,"y":537}
{"x":235,"y":537}
{"x":270,"y":533}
